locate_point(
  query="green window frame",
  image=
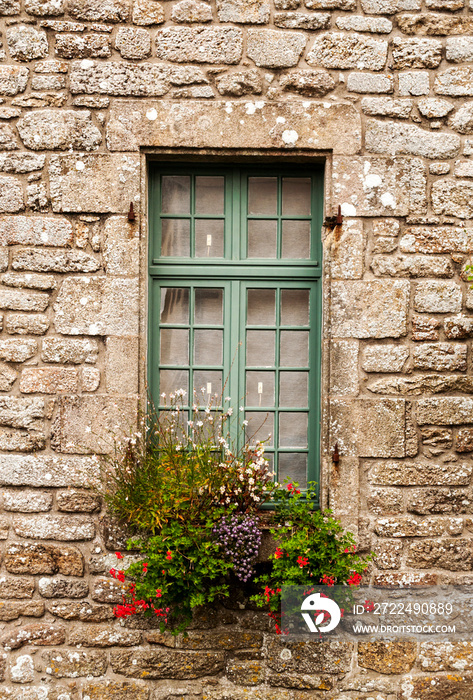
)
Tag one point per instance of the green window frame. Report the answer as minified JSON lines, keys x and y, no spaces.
{"x":220,"y":302}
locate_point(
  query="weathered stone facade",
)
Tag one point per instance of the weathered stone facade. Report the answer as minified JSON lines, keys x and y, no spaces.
{"x":382,"y":90}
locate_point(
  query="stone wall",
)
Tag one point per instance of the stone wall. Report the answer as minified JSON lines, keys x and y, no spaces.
{"x":383,"y":91}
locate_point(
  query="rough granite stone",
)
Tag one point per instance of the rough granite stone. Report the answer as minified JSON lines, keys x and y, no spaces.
{"x":411,"y":266}
{"x":115,"y":690}
{"x":414,"y":83}
{"x":437,"y":239}
{"x":104,"y":636}
{"x":389,"y":7}
{"x":71,"y":664}
{"x":370,"y":83}
{"x":11,"y":195}
{"x":445,"y":411}
{"x":302,"y":20}
{"x":434,"y":24}
{"x":462,"y":119}
{"x":438,"y":297}
{"x":310,"y":83}
{"x":73,"y":351}
{"x":43,"y":260}
{"x":158,"y":664}
{"x":36,"y":559}
{"x":434,"y":108}
{"x":360,"y":23}
{"x":386,"y":107}
{"x":26,"y":501}
{"x":393,"y":138}
{"x":240,"y":83}
{"x":99,"y":10}
{"x":395,"y":656}
{"x":451,"y":554}
{"x":147,"y":12}
{"x":72,"y":501}
{"x":17,"y":350}
{"x":420,"y":474}
{"x":455,"y":82}
{"x":243,"y":12}
{"x":133,"y":43}
{"x":41,"y":8}
{"x":26,"y":43}
{"x":84,"y":46}
{"x":416,"y":53}
{"x":38,"y":634}
{"x":13,"y":79}
{"x":459,"y":49}
{"x":27,"y":324}
{"x":384,"y":358}
{"x":440,"y":357}
{"x":342,"y":51}
{"x":200,"y":44}
{"x":190,"y":11}
{"x":275,"y":49}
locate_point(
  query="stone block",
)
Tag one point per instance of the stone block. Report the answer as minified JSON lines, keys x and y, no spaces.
{"x":38,"y":635}
{"x":48,"y":82}
{"x":35,"y":230}
{"x":242,"y":83}
{"x":434,"y":108}
{"x":436,"y":239}
{"x":99,"y":10}
{"x":23,"y":300}
{"x":43,"y":559}
{"x":311,"y":83}
{"x":360,"y":23}
{"x":446,"y":655}
{"x":323,"y":5}
{"x":414,"y":527}
{"x":308,"y":657}
{"x":104,"y":636}
{"x":247,"y":672}
{"x":121,"y":246}
{"x":414,"y":83}
{"x":371,"y":309}
{"x":65,"y":130}
{"x":163,"y":663}
{"x":452,"y":554}
{"x":71,"y":664}
{"x":382,"y":501}
{"x":21,"y":441}
{"x":10,"y":7}
{"x":275,"y":49}
{"x":40,"y":471}
{"x":462,"y":121}
{"x":57,"y":261}
{"x":463,"y":168}
{"x":441,"y":357}
{"x":7,"y":377}
{"x":85,"y":611}
{"x":22,"y":669}
{"x":341,"y":51}
{"x":393,"y":138}
{"x":13,"y":79}
{"x":84,"y":46}
{"x":224,"y":124}
{"x":453,"y":198}
{"x":408,"y":579}
{"x":27,"y":501}
{"x":41,"y":8}
{"x":386,"y":107}
{"x":384,"y":358}
{"x":98,"y":183}
{"x":207,"y":639}
{"x":133,"y":43}
{"x":420,"y":474}
{"x":115,"y":690}
{"x":200,"y":44}
{"x":51,"y":527}
{"x":243,"y":12}
{"x":416,"y":53}
{"x":71,"y":501}
{"x":441,"y":438}
{"x":459,"y":49}
{"x":302,"y":20}
{"x":87,"y":424}
{"x":16,"y":587}
{"x":119,"y":78}
{"x":455,"y":82}
{"x":422,"y":384}
{"x":445,"y":411}
{"x":437,"y":297}
{"x":69,"y":351}
{"x":10,"y":610}
{"x":389,"y":7}
{"x":439,"y":168}
{"x":380,"y":427}
{"x":26,"y":43}
{"x":97,"y":306}
{"x":49,"y":380}
{"x":190,"y":11}
{"x":390,"y":657}
{"x":344,"y":367}
{"x":147,"y":12}
{"x":11,"y":195}
{"x":34,"y":281}
{"x":433,"y":24}
{"x":20,"y":413}
{"x":346,"y":250}
{"x":90,"y":378}
{"x":439,"y":501}
{"x":121,"y":365}
{"x":411,"y":266}
{"x":379,"y":186}
{"x":464,"y":441}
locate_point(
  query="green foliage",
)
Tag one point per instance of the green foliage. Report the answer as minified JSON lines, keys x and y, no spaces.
{"x":469,"y":271}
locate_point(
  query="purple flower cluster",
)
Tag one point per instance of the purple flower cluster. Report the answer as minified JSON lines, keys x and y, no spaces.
{"x":240,"y":538}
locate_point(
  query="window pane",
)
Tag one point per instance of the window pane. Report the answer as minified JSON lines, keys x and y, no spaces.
{"x":209,"y":192}
{"x":175,"y":238}
{"x":207,"y":383}
{"x":296,"y":239}
{"x":262,"y":238}
{"x":260,"y":388}
{"x":261,"y":307}
{"x":174,"y":305}
{"x":260,"y":348}
{"x":293,"y":389}
{"x":176,"y":194}
{"x":170,"y":380}
{"x":260,"y":427}
{"x":174,"y":346}
{"x":209,"y":238}
{"x":262,"y":195}
{"x":294,"y":467}
{"x":294,"y":351}
{"x":208,"y":347}
{"x":293,"y":429}
{"x":208,"y":306}
{"x":295,"y":307}
{"x":296,"y":194}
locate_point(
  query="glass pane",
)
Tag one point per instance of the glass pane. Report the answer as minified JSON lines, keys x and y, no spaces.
{"x":170,"y":380}
{"x":262,"y":195}
{"x":260,"y":346}
{"x":260,"y":388}
{"x":174,"y":305}
{"x":294,"y":350}
{"x":209,"y":238}
{"x":296,"y":192}
{"x":208,"y":347}
{"x":293,"y":429}
{"x":296,"y":239}
{"x":261,"y":307}
{"x":208,"y":306}
{"x":175,"y":237}
{"x":207,"y":383}
{"x":209,"y":193}
{"x":260,"y":427}
{"x":174,"y":346}
{"x":293,"y":389}
{"x":295,"y":307}
{"x":262,"y":238}
{"x":176,"y":194}
{"x":294,"y":467}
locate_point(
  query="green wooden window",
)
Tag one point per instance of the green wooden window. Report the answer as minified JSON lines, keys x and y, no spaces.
{"x":235,"y":298}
